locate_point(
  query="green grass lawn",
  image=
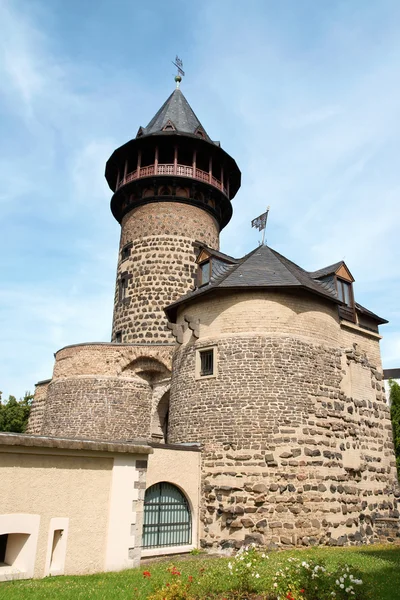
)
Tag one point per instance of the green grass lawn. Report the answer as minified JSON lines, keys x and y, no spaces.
{"x":380,"y":566}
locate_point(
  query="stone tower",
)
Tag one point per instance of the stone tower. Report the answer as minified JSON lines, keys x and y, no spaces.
{"x":172,"y":190}
{"x":172,"y":194}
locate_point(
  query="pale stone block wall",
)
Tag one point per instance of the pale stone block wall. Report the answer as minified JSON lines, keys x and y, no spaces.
{"x":259,"y":312}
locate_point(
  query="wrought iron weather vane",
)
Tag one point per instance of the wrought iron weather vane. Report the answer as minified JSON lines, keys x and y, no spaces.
{"x":181,"y":73}
{"x":260,"y":223}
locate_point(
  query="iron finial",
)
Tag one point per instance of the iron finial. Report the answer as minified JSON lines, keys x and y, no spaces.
{"x":181,"y":73}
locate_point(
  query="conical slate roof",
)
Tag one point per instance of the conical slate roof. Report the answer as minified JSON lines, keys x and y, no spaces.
{"x":175,"y":111}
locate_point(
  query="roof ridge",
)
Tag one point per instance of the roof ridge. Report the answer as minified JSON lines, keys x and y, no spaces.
{"x":306,"y":273}
{"x":327,"y":270}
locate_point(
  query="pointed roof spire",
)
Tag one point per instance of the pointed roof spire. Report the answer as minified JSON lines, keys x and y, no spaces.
{"x":177,"y":111}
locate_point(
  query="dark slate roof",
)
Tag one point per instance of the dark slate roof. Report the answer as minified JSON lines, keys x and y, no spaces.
{"x":329,"y":270}
{"x":328,"y":283}
{"x":368,"y":313}
{"x":178,"y":111}
{"x":261,"y":268}
{"x":218,"y":254}
{"x":391,"y":373}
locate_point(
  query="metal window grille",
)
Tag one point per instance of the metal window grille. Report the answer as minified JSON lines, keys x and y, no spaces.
{"x":206,"y":362}
{"x":167,"y":518}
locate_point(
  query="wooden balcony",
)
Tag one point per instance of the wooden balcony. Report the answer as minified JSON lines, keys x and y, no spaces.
{"x":172,"y":169}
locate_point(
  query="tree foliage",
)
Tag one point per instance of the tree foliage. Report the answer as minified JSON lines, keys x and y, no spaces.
{"x":395,"y":416}
{"x":14,"y":413}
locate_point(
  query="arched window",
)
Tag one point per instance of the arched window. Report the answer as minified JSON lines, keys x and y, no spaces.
{"x":167,"y":518}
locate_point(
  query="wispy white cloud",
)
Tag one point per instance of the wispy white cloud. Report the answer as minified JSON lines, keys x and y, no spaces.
{"x":305,"y":99}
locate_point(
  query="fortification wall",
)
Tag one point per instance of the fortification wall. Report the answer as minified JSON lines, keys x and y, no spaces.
{"x":105,"y":391}
{"x":38,"y":408}
{"x":297,"y":442}
{"x":159,"y":267}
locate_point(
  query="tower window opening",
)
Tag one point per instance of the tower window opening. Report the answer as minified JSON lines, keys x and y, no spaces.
{"x":123,"y":284}
{"x":165,"y":155}
{"x":344,"y":292}
{"x":148,"y":157}
{"x":126,"y":251}
{"x":206,"y":363}
{"x":204,"y":272}
{"x":118,"y":337}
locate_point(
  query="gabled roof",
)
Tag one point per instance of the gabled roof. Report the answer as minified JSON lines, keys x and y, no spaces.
{"x":262,"y":268}
{"x":175,"y":114}
{"x":206,"y":252}
{"x":329,"y":270}
{"x":340,"y":268}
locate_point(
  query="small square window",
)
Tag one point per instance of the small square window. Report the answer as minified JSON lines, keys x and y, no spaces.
{"x":206,"y":363}
{"x":126,"y":251}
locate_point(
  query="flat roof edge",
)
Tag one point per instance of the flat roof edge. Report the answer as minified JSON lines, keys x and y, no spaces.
{"x":40,"y":441}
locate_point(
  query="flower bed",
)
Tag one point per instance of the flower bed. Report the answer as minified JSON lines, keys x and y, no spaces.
{"x":295,"y":579}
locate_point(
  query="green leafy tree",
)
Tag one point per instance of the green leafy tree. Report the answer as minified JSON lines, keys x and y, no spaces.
{"x":395,"y":416}
{"x":14,"y":414}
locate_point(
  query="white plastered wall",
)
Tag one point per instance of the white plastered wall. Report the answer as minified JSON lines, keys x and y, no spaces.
{"x":122,"y":515}
{"x":23,"y":531}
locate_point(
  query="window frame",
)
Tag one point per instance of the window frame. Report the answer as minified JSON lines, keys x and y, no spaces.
{"x":198,"y":362}
{"x":126,"y":251}
{"x":200,"y":281}
{"x":340,"y":285}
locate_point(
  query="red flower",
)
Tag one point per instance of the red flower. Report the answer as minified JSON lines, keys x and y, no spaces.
{"x":190,"y":578}
{"x":302,"y":591}
{"x":146,"y":574}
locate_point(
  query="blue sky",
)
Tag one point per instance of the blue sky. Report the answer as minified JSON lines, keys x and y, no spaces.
{"x":304,"y":94}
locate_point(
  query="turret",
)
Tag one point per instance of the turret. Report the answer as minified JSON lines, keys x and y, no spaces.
{"x":173,"y":188}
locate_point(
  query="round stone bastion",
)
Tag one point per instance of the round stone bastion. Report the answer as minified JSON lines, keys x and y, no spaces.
{"x":295,"y":429}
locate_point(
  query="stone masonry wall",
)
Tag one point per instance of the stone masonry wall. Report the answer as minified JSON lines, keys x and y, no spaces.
{"x":37,"y":409}
{"x":160,"y":266}
{"x":296,"y":434}
{"x":104,"y":391}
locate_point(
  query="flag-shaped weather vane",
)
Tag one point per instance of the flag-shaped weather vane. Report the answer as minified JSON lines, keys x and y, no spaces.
{"x":181,"y":73}
{"x":261,"y":223}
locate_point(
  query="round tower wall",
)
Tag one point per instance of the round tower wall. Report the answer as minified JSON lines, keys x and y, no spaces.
{"x":296,"y":434}
{"x":106,"y":391}
{"x":158,"y":268}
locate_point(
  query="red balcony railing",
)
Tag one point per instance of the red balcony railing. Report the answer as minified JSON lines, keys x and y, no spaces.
{"x":168,"y":169}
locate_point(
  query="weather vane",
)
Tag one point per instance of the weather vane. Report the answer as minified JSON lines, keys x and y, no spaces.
{"x":261,"y":223}
{"x":181,"y":73}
